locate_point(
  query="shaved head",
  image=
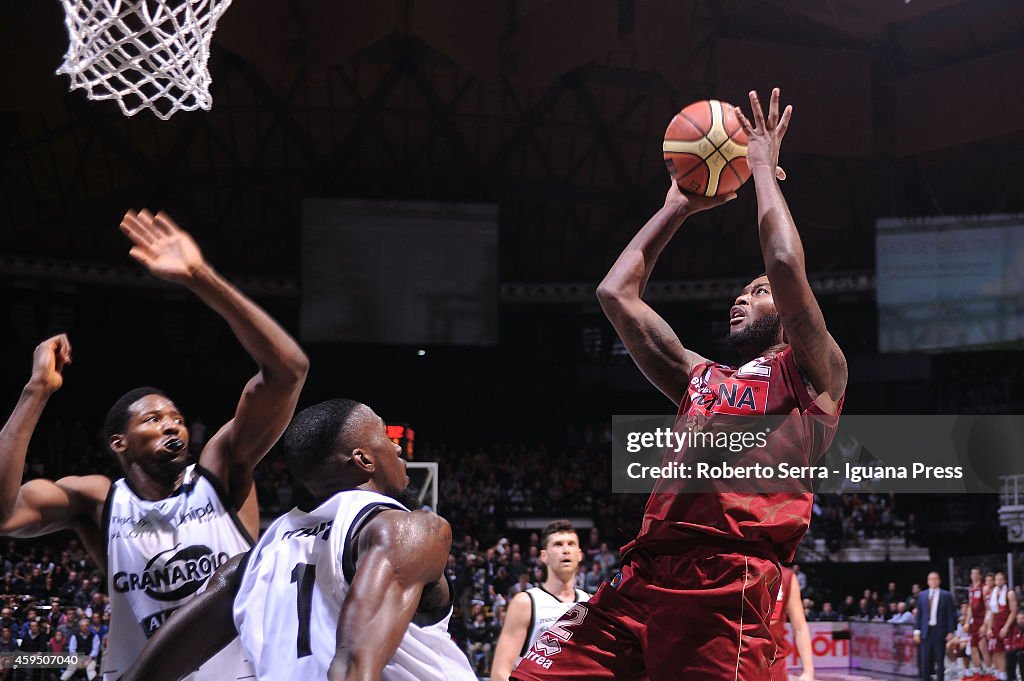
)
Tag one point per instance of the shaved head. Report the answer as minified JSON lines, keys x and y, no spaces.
{"x":322,"y":433}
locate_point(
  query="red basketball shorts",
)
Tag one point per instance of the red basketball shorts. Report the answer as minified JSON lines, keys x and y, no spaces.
{"x":696,"y":616}
{"x":997,"y":644}
{"x":974,"y":629}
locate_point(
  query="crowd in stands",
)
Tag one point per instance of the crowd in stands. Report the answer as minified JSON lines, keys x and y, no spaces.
{"x":45,"y":594}
{"x":846,"y":520}
{"x":993,"y":386}
{"x":892,"y":605}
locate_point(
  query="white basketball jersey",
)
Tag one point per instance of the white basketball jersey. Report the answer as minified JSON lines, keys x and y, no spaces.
{"x":545,"y":611}
{"x":159,"y":554}
{"x":294,"y":585}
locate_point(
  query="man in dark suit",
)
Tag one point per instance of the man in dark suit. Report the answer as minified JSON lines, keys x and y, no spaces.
{"x":935,"y":624}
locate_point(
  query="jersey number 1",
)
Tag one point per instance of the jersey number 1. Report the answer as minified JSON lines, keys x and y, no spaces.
{"x":303,"y":575}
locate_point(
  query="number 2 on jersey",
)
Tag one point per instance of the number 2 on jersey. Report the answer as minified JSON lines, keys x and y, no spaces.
{"x":303,"y":575}
{"x":573,"y":616}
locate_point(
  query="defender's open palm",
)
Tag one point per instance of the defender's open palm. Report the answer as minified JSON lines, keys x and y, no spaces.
{"x":764,"y":137}
{"x":164,"y":248}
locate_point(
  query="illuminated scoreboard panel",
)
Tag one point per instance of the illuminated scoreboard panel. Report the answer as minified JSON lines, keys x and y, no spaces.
{"x":404,"y":436}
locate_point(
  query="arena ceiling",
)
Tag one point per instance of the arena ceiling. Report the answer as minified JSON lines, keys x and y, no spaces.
{"x":553,"y":109}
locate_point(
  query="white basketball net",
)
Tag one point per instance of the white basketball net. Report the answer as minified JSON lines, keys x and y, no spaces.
{"x":146,"y":54}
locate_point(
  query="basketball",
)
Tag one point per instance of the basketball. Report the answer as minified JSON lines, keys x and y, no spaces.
{"x":705,"y":149}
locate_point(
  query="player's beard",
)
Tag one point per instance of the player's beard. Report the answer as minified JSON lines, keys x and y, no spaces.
{"x":166,"y":471}
{"x":756,"y":337}
{"x":408,"y":497}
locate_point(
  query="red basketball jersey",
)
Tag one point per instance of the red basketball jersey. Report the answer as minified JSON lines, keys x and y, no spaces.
{"x":976,"y":598}
{"x":718,"y":398}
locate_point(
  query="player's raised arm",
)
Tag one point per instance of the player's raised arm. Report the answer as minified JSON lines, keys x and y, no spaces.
{"x":42,"y":506}
{"x":399,"y":554}
{"x":194,"y":633}
{"x":513,"y":636}
{"x":269,"y":398}
{"x":814,"y":349}
{"x":651,"y":342}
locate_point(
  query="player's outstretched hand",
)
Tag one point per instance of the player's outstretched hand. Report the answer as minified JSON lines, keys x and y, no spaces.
{"x":764,"y":137}
{"x":683,"y":203}
{"x":164,"y":248}
{"x":48,"y":362}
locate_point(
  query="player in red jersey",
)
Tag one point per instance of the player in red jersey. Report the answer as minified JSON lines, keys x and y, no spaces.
{"x":790,"y":606}
{"x":976,"y":603}
{"x":1015,"y":648}
{"x":986,"y":591}
{"x":999,"y":622}
{"x":697,"y":585}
